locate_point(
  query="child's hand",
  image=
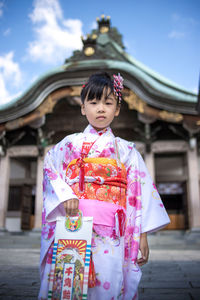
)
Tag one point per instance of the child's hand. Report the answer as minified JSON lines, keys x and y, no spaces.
{"x":144,"y":249}
{"x":71,"y":206}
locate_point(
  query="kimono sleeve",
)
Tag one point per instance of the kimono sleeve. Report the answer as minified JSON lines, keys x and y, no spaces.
{"x":56,"y":190}
{"x":154,"y":215}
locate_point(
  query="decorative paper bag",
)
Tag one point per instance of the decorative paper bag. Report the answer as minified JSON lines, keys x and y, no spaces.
{"x":71,"y":258}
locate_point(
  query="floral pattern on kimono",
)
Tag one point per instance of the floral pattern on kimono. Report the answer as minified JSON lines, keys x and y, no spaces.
{"x":144,"y":213}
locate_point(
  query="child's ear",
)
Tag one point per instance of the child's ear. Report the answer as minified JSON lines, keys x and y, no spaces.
{"x":83,"y":109}
{"x":117,"y":110}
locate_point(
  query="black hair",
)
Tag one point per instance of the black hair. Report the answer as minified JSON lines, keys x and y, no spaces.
{"x":94,"y":88}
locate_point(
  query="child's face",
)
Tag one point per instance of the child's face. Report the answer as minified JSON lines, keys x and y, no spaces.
{"x":100,"y":113}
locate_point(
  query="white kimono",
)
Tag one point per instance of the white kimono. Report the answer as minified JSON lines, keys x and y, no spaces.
{"x":117,"y":272}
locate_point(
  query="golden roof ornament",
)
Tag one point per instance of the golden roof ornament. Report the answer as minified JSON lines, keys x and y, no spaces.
{"x":89,"y":41}
{"x":89,"y":51}
{"x":103,"y":23}
{"x":89,"y":44}
{"x":170,"y":117}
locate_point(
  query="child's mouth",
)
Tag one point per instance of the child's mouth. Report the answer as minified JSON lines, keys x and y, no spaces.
{"x":101,"y":118}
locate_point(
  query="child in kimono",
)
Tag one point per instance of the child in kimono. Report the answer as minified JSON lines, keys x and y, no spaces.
{"x":105,"y":177}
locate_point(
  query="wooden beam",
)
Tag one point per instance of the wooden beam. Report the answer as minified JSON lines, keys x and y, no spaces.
{"x":136,"y":103}
{"x":44,"y":108}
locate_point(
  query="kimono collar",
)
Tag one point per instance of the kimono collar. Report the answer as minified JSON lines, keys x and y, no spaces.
{"x":91,"y":130}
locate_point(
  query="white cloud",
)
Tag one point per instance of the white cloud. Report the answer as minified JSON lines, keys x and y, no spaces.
{"x":93,"y":25}
{"x":194,"y":90}
{"x":192,"y":21}
{"x":182,"y":25}
{"x":3,"y":91}
{"x":1,"y":9}
{"x":184,"y":21}
{"x":7,"y":32}
{"x":175,"y":17}
{"x":176,"y":34}
{"x":10,"y":75}
{"x":55,"y":37}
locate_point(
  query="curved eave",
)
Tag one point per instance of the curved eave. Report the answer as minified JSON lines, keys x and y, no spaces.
{"x":156,"y":76}
{"x":149,"y":88}
{"x":27,"y":93}
{"x":153,"y":83}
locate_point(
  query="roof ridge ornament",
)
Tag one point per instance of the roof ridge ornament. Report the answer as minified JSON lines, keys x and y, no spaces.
{"x":104,"y":24}
{"x":89,"y":44}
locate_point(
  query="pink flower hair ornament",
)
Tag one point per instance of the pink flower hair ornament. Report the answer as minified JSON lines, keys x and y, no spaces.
{"x":84,"y":85}
{"x":118,"y":86}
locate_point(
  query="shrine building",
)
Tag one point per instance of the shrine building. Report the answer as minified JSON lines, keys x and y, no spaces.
{"x":160,"y":117}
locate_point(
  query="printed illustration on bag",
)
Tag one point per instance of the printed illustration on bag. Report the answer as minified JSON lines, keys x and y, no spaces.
{"x":69,"y":273}
{"x":69,"y":269}
{"x":73,"y":224}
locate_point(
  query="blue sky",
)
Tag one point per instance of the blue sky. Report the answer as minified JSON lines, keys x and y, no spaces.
{"x":37,"y":35}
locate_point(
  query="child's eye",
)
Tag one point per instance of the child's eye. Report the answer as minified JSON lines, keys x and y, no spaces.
{"x":93,"y":102}
{"x":109,"y":103}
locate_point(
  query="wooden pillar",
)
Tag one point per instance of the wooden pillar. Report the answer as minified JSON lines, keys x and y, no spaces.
{"x":149,"y":161}
{"x":193,"y":188}
{"x":4,"y":189}
{"x":39,"y":196}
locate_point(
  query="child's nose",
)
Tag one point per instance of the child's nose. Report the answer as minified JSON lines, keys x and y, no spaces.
{"x":100,"y":107}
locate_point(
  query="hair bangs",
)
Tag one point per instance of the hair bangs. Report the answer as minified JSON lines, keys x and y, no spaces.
{"x":97,"y":85}
{"x":97,"y":91}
